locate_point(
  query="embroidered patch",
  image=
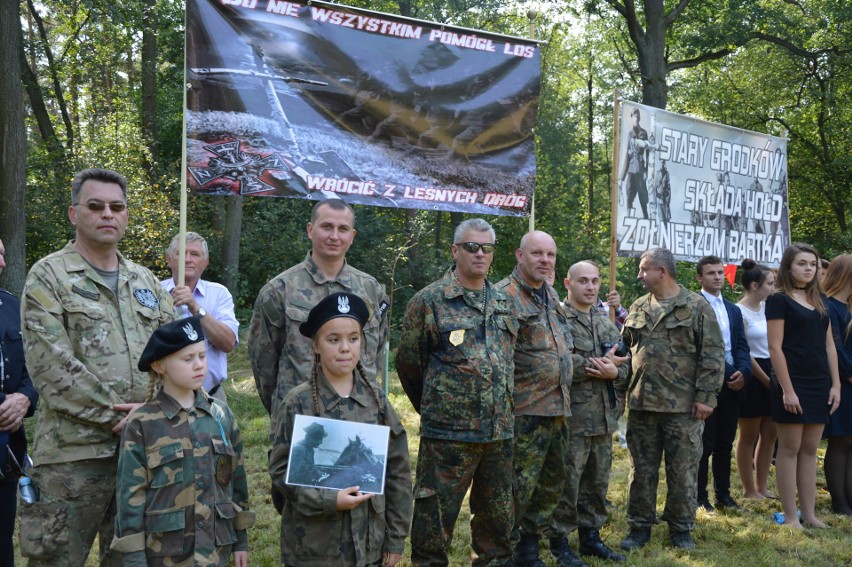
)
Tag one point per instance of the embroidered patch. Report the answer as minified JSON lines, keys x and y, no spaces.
{"x":223,"y":471}
{"x":190,"y":332}
{"x":146,"y":298}
{"x":457,"y":337}
{"x":343,"y":304}
{"x":383,"y":308}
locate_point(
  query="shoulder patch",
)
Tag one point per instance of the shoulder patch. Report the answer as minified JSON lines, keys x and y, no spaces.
{"x":146,"y":298}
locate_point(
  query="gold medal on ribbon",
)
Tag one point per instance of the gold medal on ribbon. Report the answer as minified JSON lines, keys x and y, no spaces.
{"x":457,"y":337}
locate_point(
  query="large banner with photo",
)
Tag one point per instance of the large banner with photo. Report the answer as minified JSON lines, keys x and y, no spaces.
{"x":699,"y":188}
{"x":316,"y":100}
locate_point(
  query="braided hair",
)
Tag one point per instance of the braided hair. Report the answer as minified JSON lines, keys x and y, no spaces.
{"x":155,"y":384}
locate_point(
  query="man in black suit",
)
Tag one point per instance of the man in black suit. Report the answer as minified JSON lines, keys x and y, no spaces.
{"x":721,"y":427}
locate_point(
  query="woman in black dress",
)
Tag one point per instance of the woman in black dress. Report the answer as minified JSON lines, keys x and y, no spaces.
{"x":838,"y":457}
{"x":807,"y":385}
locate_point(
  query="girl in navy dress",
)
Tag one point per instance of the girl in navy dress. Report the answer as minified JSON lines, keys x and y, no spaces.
{"x":807,"y":388}
{"x":838,"y":457}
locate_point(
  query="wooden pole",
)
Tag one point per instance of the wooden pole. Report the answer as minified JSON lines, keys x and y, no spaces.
{"x":532,"y":14}
{"x":181,"y":280}
{"x":616,"y":154}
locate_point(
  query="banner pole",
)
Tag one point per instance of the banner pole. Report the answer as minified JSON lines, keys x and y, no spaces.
{"x":532,"y":15}
{"x":181,"y":280}
{"x":613,"y":238}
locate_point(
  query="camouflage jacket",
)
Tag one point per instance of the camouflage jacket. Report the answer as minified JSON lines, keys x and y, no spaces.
{"x":313,"y":532}
{"x":542,"y":352}
{"x":181,"y":493}
{"x":677,"y":361}
{"x":281,"y":357}
{"x":592,"y":410}
{"x":82,"y":346}
{"x":455,"y":361}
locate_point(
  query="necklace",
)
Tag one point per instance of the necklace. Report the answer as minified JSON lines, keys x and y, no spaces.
{"x":799,"y":288}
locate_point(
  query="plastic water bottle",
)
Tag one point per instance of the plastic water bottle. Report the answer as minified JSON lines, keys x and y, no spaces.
{"x":779,"y":517}
{"x":28,"y":494}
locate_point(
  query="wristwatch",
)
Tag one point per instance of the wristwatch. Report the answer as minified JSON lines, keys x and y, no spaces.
{"x":201,"y":312}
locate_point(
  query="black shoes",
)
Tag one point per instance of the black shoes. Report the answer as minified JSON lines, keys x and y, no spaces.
{"x":560,"y":549}
{"x":682,"y":540}
{"x":591,"y":544}
{"x":705,"y":503}
{"x":636,"y":539}
{"x":526,"y":553}
{"x":728,"y":503}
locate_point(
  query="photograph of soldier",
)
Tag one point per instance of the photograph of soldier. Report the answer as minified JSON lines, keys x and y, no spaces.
{"x":332,"y":453}
{"x":303,"y":469}
{"x":632,"y":179}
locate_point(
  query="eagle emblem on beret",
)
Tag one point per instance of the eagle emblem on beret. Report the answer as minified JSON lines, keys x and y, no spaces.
{"x":343,"y":304}
{"x":190,"y":332}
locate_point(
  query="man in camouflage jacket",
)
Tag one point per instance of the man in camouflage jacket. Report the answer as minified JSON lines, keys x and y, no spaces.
{"x":182,"y":491}
{"x":87,"y":314}
{"x":542,"y":379}
{"x":678,"y":362}
{"x":455,"y":362}
{"x":281,"y":357}
{"x":594,"y":415}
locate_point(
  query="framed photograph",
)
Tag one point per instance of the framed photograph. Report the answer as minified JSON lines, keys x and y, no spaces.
{"x":335,"y":454}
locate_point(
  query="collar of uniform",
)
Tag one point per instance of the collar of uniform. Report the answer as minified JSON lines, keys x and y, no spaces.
{"x":679,"y":300}
{"x":171,"y":408}
{"x":317,"y":275}
{"x":452,"y":285}
{"x":530,"y":290}
{"x":327,"y":392}
{"x":74,"y":261}
{"x":574,"y":313}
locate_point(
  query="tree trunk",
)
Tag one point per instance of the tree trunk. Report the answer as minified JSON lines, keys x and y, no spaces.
{"x":231,"y":243}
{"x":149,"y":83}
{"x":590,"y":143}
{"x":652,"y":56}
{"x":13,"y":152}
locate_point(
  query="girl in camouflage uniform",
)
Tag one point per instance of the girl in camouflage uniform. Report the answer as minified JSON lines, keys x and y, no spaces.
{"x":337,"y":528}
{"x":182,"y":497}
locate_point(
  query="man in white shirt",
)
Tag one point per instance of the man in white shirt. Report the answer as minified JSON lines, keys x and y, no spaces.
{"x":210,"y":301}
{"x":721,"y":427}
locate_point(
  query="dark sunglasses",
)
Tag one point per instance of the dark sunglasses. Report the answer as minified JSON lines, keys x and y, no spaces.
{"x":474,"y":247}
{"x":98,"y":206}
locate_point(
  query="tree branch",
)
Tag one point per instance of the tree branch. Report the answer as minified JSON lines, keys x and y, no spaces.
{"x":676,"y":11}
{"x":695,"y":61}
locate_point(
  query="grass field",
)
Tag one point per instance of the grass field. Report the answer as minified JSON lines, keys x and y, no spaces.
{"x":732,"y":540}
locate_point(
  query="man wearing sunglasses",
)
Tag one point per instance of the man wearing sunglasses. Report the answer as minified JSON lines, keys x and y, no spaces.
{"x":17,"y":400}
{"x":455,"y":362}
{"x":87,"y":315}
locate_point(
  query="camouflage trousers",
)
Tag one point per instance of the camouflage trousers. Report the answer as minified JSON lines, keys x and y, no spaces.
{"x":583,"y":502}
{"x":541,"y":443}
{"x":445,"y":471}
{"x":76,"y":502}
{"x":649,"y":435}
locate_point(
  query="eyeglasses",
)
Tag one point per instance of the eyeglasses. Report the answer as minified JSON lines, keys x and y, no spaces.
{"x":98,"y":206}
{"x":474,"y":247}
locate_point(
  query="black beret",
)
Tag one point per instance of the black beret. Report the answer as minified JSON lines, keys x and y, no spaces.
{"x":334,"y":306}
{"x":169,"y":339}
